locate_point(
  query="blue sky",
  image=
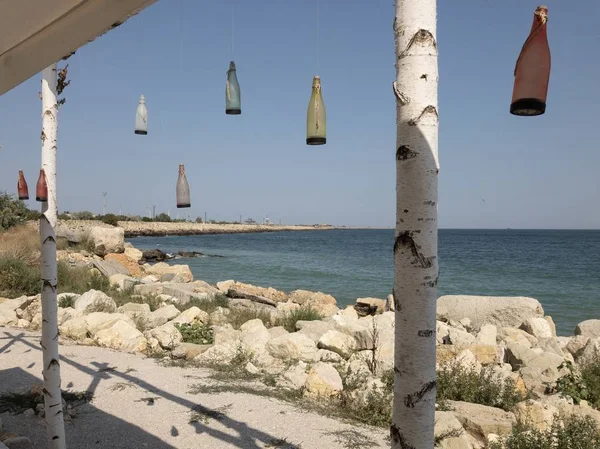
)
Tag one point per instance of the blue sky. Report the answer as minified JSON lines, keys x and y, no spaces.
{"x":532,"y":172}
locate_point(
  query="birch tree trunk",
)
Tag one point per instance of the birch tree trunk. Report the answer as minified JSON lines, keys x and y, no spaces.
{"x":415,"y":247}
{"x":55,"y":427}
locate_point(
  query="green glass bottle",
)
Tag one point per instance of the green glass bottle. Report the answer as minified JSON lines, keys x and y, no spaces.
{"x":315,"y":116}
{"x":233,"y":101}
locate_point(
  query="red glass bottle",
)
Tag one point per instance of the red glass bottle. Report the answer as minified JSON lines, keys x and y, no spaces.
{"x":532,"y":71}
{"x":41,"y":190}
{"x":22,"y":189}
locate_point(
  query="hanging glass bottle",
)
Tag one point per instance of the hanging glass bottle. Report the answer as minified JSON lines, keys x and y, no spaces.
{"x":233,"y":101}
{"x":22,"y":189}
{"x":315,"y":116}
{"x":141,"y":117}
{"x":41,"y":190}
{"x":532,"y":71}
{"x":183,"y":189}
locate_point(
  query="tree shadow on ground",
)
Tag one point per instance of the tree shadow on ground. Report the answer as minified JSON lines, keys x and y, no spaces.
{"x":92,"y":432}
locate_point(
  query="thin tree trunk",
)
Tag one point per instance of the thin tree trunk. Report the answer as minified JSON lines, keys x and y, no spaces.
{"x":415,"y":247}
{"x":55,"y":427}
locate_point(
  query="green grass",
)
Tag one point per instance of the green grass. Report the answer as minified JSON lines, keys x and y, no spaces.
{"x":289,"y":319}
{"x":458,"y":383}
{"x":18,"y":279}
{"x":198,"y":333}
{"x":572,"y":433}
{"x":67,"y":301}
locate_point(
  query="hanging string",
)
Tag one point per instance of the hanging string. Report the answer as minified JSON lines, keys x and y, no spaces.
{"x":181,"y":39}
{"x":318,"y":35}
{"x":232,"y":28}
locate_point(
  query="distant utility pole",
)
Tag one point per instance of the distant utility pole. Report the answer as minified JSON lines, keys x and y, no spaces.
{"x":104,"y":203}
{"x":240,"y":219}
{"x":204,"y":217}
{"x":153,"y":212}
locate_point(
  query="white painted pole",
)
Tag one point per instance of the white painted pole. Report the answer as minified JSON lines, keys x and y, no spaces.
{"x":55,"y":427}
{"x":415,"y":248}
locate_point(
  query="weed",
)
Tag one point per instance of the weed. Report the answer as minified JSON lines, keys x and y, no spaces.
{"x":456,"y":382}
{"x":67,"y":301}
{"x":289,"y":319}
{"x":198,"y":333}
{"x":19,"y":402}
{"x":208,"y":305}
{"x":21,"y":243}
{"x":353,"y":439}
{"x":582,"y":383}
{"x":17,"y":278}
{"x":571,"y":433}
{"x":203,"y":414}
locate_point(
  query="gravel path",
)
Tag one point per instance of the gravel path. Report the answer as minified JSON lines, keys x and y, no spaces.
{"x":138,"y":403}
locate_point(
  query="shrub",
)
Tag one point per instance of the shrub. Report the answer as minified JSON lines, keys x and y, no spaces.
{"x":18,"y":278}
{"x":162,"y":218}
{"x":238,"y":316}
{"x":573,"y":433}
{"x":289,"y":319}
{"x":20,"y":243}
{"x":122,"y":297}
{"x":110,"y":219}
{"x":199,"y":333}
{"x":84,"y":215}
{"x":582,"y":383}
{"x":13,"y":212}
{"x":456,"y":382}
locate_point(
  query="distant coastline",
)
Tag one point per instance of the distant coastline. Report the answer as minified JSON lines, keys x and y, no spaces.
{"x":159,"y":229}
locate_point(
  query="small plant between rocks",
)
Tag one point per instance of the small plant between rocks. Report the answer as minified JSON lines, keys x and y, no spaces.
{"x":289,"y":319}
{"x":198,"y":333}
{"x":581,"y":384}
{"x":456,"y":382}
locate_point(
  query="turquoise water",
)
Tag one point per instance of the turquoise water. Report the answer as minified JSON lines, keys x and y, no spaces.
{"x":559,"y":268}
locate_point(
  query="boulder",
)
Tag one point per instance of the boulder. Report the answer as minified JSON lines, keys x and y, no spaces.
{"x":588,"y":328}
{"x":361,"y":333}
{"x":308,"y":298}
{"x":591,"y":352}
{"x":189,"y":351}
{"x":133,"y":254}
{"x":460,"y":338}
{"x":313,"y":329}
{"x":481,"y":420}
{"x":224,"y":286}
{"x":157,"y":318}
{"x":277,"y":331}
{"x":538,"y":327}
{"x":323,"y":380}
{"x":576,"y":345}
{"x":133,"y":307}
{"x":266,"y":292}
{"x":294,"y":378}
{"x":512,"y":335}
{"x":123,"y":337}
{"x":160,"y":269}
{"x":95,"y":301}
{"x":369,"y":306}
{"x":107,"y":240}
{"x":294,"y":346}
{"x":132,"y":266}
{"x":340,"y":343}
{"x":538,"y":414}
{"x":487,"y":335}
{"x":85,"y":326}
{"x":167,"y":335}
{"x":498,"y":310}
{"x":449,"y":432}
{"x":192,"y":315}
{"x":123,"y":281}
{"x":254,"y":336}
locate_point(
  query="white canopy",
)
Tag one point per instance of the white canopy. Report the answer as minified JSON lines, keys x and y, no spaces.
{"x":36,"y":33}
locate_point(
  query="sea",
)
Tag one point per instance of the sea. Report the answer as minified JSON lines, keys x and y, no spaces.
{"x":559,"y":268}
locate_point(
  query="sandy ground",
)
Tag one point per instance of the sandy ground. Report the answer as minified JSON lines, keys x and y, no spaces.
{"x":137,"y":403}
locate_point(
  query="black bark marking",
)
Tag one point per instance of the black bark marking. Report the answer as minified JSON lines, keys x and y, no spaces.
{"x":397,"y":306}
{"x":405,"y":240}
{"x":413,"y":399}
{"x":429,"y":203}
{"x":64,"y":58}
{"x":421,"y":37}
{"x":49,"y":239}
{"x":398,"y":438}
{"x":431,"y":283}
{"x":46,"y":392}
{"x":428,"y":110}
{"x":115,"y":25}
{"x":47,"y":283}
{"x":56,"y":405}
{"x":424,"y":76}
{"x":406,"y":211}
{"x":404,"y":153}
{"x":425,"y":333}
{"x":52,"y":363}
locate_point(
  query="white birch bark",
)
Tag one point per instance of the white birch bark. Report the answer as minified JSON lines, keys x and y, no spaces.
{"x":55,"y":427}
{"x":415,"y":247}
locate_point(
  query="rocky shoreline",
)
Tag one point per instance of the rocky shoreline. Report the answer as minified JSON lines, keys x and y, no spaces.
{"x":303,"y":343}
{"x":159,"y":229}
